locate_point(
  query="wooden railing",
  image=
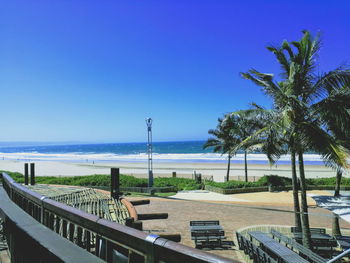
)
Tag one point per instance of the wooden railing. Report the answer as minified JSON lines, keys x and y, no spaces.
{"x":105,"y":239}
{"x":31,"y":242}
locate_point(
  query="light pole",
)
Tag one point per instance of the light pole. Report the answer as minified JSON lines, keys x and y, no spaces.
{"x":149,"y":151}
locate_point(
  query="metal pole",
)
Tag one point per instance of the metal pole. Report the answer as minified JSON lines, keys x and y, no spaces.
{"x":346,"y":252}
{"x":149,"y":150}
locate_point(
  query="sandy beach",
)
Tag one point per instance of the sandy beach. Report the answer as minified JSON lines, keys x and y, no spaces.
{"x":163,"y":169}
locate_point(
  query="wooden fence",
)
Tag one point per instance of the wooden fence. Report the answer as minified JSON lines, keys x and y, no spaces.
{"x":105,"y":239}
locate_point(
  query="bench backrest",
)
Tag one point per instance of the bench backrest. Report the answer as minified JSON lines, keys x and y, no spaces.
{"x":295,"y":245}
{"x":208,"y":233}
{"x":312,"y":230}
{"x":204,"y":223}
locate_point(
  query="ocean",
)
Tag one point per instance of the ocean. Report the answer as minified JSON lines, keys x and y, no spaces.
{"x":179,"y":151}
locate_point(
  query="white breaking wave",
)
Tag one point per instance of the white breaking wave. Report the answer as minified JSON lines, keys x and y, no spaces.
{"x":201,"y":157}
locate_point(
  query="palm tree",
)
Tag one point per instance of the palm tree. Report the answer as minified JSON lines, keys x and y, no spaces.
{"x":272,"y":139}
{"x":243,"y":124}
{"x":299,"y":99}
{"x":222,"y":141}
{"x":230,"y":132}
{"x":342,"y":135}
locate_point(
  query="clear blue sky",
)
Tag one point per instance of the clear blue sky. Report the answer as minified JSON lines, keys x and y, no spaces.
{"x":93,"y":70}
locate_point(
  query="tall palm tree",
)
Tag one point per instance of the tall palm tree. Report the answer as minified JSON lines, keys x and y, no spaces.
{"x":299,"y":98}
{"x":342,"y":135}
{"x":222,"y":141}
{"x":273,"y":138}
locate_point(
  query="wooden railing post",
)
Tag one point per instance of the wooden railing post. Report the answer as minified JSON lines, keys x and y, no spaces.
{"x":26,"y":174}
{"x":115,"y":190}
{"x":32,"y":173}
{"x":151,"y":255}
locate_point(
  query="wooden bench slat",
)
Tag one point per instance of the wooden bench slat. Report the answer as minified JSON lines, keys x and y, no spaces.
{"x":295,"y":245}
{"x":204,"y":222}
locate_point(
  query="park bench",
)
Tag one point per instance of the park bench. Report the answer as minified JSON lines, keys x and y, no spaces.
{"x":276,"y":250}
{"x":208,"y":238}
{"x":322,"y":243}
{"x":207,"y":233}
{"x":343,"y":242}
{"x":254,"y":252}
{"x":303,"y":251}
{"x":204,"y":223}
{"x":313,"y":230}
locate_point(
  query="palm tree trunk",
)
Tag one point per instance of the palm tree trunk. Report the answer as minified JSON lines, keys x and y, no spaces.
{"x":337,"y":183}
{"x":228,"y":168}
{"x":335,"y":225}
{"x":295,"y":191}
{"x":246,"y":166}
{"x":304,"y":215}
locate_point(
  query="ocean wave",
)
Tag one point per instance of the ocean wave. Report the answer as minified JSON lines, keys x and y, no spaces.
{"x":199,"y":157}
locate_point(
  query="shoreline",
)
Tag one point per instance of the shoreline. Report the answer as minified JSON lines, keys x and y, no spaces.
{"x":165,"y":169}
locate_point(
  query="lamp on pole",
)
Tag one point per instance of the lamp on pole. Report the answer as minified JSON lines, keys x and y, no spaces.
{"x":149,"y":151}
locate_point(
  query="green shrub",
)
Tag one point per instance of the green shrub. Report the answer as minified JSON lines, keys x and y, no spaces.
{"x":327,"y":181}
{"x":266,"y":180}
{"x":131,"y":181}
{"x":105,"y":180}
{"x":18,"y":177}
{"x":274,"y":180}
{"x":232,"y":184}
{"x":179,"y":183}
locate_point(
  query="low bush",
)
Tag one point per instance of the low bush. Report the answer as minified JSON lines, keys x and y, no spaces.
{"x":105,"y":180}
{"x":179,"y":183}
{"x":266,"y":180}
{"x":274,"y":180}
{"x":232,"y":184}
{"x":327,"y":181}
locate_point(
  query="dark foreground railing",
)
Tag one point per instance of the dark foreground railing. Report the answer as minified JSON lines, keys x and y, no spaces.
{"x":31,"y":242}
{"x":108,"y":240}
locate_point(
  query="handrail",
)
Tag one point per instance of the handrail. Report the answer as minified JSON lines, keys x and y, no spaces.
{"x":343,"y":254}
{"x":152,"y":247}
{"x":24,"y":232}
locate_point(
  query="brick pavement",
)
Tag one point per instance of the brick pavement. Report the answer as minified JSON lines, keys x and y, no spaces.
{"x":232,"y":216}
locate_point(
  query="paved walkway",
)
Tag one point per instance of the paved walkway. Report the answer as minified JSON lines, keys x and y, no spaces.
{"x":232,"y":216}
{"x":204,"y":195}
